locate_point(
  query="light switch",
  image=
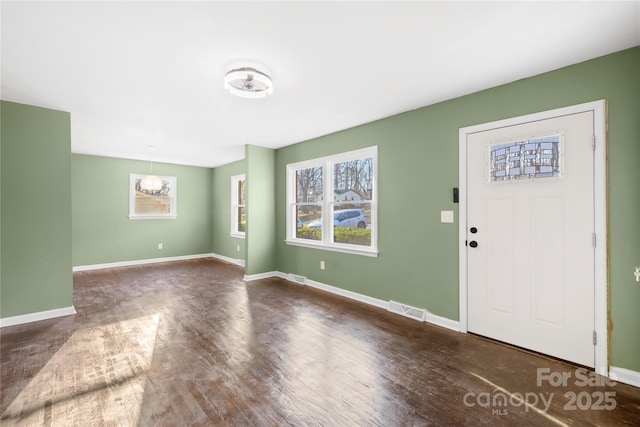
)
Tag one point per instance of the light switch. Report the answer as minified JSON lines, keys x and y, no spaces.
{"x":446,"y":216}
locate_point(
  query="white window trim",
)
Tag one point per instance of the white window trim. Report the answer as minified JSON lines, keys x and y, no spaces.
{"x":328,"y":202}
{"x":235,"y":206}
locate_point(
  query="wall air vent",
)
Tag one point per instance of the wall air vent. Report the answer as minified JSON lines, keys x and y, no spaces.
{"x":301,"y":280}
{"x":407,"y":311}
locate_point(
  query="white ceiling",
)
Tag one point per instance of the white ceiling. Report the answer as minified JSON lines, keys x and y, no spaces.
{"x":135,"y":74}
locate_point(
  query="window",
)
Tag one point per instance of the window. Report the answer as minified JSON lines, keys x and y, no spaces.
{"x":526,"y":159}
{"x":332,"y":202}
{"x":238,"y":208}
{"x":152,"y":203}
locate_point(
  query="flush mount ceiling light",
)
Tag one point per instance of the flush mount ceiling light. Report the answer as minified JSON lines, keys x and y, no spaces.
{"x":248,"y":82}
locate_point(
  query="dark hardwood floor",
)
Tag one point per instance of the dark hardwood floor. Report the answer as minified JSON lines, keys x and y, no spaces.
{"x":189,"y":343}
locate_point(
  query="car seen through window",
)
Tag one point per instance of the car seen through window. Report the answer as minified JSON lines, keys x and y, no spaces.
{"x":346,"y":218}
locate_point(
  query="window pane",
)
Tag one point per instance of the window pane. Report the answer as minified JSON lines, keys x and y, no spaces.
{"x":242,"y":219}
{"x":309,"y":222}
{"x":241,"y":192}
{"x":527,"y":159}
{"x":353,"y":181}
{"x":352,"y":225}
{"x":352,"y":194}
{"x":309,"y":185}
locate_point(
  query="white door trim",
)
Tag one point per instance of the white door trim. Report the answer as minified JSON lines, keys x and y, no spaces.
{"x":599,"y":109}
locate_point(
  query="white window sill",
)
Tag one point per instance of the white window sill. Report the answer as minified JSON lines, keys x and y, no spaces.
{"x":153,"y":216}
{"x":237,"y":235}
{"x":347,"y":249}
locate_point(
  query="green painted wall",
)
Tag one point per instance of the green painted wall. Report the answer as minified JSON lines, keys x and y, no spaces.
{"x":102,"y":231}
{"x":221,"y":242}
{"x":36,"y":210}
{"x":418,"y":167}
{"x":261,"y":210}
{"x":1,"y":105}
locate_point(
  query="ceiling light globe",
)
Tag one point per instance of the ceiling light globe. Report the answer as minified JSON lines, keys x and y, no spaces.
{"x":151,"y":183}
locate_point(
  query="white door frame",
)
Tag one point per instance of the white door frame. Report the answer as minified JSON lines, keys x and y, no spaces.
{"x":599,"y":109}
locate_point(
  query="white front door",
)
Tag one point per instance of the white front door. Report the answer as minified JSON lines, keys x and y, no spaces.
{"x":530,"y":229}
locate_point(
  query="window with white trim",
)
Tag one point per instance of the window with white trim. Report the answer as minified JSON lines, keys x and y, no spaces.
{"x":152,"y":203}
{"x":332,"y":202}
{"x":238,"y":208}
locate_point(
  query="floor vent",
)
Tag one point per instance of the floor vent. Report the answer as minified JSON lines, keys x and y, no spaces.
{"x":406,"y":310}
{"x":297,"y":279}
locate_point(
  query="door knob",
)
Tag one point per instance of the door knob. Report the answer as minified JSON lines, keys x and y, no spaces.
{"x":473,"y":244}
{"x":473,"y":230}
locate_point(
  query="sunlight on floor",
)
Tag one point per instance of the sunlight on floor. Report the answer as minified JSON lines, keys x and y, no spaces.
{"x":517,"y":397}
{"x":97,"y":377}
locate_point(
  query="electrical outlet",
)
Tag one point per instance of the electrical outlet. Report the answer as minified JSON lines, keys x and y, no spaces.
{"x":321,"y":265}
{"x":237,"y":248}
{"x":446,"y":216}
{"x":160,"y":246}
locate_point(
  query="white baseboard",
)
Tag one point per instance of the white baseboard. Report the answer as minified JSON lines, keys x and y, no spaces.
{"x":444,"y":322}
{"x":143,"y":261}
{"x":348,"y":294}
{"x":235,"y":261}
{"x":429,"y":317}
{"x":626,"y":376}
{"x":251,"y":277}
{"x":35,"y":317}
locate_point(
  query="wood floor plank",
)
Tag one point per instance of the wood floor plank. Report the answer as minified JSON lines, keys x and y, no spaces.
{"x":190,"y":343}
